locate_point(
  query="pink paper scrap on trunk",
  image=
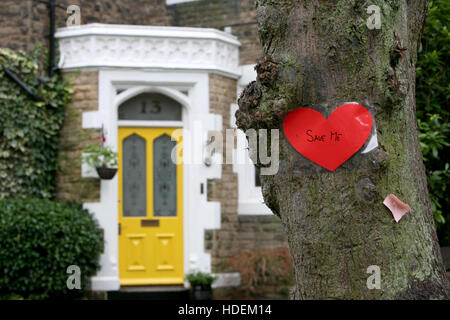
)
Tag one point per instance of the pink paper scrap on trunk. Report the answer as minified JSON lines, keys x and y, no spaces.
{"x":397,"y":207}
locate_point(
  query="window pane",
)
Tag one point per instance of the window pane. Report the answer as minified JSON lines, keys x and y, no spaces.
{"x":134,"y":177}
{"x":150,"y":106}
{"x":165,"y":178}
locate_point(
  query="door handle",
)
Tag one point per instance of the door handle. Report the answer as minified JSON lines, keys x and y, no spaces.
{"x":149,"y":223}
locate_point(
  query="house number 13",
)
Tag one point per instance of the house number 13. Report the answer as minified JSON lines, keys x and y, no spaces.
{"x":155,"y":108}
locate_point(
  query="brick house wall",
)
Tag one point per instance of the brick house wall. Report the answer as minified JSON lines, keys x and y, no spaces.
{"x":240,"y":15}
{"x":71,"y":185}
{"x":237,"y":232}
{"x":223,"y":243}
{"x":25,"y":23}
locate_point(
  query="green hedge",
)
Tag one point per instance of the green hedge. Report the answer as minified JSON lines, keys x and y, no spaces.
{"x":29,"y":129}
{"x":39,"y":240}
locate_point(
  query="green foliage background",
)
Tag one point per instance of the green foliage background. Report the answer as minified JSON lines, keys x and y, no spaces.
{"x":29,"y":129}
{"x":432,"y":96}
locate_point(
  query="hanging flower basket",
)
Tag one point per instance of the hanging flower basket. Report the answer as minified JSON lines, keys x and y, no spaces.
{"x":103,"y":158}
{"x":106,"y":173}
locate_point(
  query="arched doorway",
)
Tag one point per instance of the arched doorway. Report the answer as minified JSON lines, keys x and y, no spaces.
{"x":150,"y":191}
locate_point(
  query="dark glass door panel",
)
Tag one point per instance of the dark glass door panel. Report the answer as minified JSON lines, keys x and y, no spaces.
{"x":134,"y":177}
{"x":165,"y":178}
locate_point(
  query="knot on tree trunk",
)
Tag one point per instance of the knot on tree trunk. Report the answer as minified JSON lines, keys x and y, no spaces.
{"x":267,"y":70}
{"x":397,"y":86}
{"x":396,"y":90}
{"x":265,"y":101}
{"x":248,"y":101}
{"x":250,"y":97}
{"x":367,"y":190}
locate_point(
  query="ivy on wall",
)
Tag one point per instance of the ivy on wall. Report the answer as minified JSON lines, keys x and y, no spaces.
{"x":29,"y":128}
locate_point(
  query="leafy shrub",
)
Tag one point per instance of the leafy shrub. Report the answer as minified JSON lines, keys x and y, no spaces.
{"x":39,"y":240}
{"x":433,"y":135}
{"x":262,"y":268}
{"x":200,"y":278}
{"x":432,"y":92}
{"x":29,"y":128}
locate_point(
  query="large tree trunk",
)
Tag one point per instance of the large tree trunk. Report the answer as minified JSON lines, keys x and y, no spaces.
{"x":320,"y":54}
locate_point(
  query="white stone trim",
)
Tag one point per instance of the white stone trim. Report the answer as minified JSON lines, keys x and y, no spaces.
{"x":174,"y":48}
{"x":250,"y":199}
{"x":232,"y":279}
{"x":248,"y":74}
{"x":199,"y":214}
{"x":160,"y":124}
{"x":171,"y":2}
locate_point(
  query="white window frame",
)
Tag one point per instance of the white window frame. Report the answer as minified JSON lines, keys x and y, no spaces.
{"x":150,"y":123}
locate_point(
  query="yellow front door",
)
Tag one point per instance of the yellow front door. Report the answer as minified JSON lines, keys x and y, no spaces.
{"x":150,"y":207}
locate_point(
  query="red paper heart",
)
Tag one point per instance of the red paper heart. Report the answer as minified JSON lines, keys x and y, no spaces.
{"x":328,"y":142}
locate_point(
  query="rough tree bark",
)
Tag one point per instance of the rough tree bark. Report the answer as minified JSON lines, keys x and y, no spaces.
{"x":320,"y":54}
